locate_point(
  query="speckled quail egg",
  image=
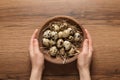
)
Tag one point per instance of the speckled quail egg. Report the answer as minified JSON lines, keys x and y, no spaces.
{"x":71,"y":38}
{"x":67,"y":32}
{"x":72,"y":51}
{"x":53,"y":51}
{"x":67,"y":45}
{"x":47,"y":34}
{"x":77,"y":36}
{"x":52,"y":42}
{"x":60,"y":43}
{"x":71,"y":31}
{"x":63,"y":26}
{"x":60,"y":34}
{"x":55,"y":27}
{"x":45,"y":42}
{"x":62,"y":51}
{"x":54,"y":35}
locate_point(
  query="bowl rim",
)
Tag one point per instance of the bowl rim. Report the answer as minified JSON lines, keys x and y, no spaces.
{"x":50,"y":59}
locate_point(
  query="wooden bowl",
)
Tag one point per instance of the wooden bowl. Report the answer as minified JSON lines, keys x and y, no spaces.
{"x":45,"y":52}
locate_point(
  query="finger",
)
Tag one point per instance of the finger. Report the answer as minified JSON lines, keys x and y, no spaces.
{"x":85,"y":46}
{"x":31,"y":41}
{"x":34,"y":35}
{"x":89,"y":40}
{"x":36,"y":46}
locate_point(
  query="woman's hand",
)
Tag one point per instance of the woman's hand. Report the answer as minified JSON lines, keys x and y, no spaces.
{"x":37,"y":58}
{"x":84,"y":58}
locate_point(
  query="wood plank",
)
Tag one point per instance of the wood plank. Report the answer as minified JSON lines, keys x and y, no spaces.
{"x":71,"y":77}
{"x":80,"y":9}
{"x":39,"y":22}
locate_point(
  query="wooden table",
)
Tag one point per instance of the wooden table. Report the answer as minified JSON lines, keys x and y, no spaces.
{"x":19,"y":18}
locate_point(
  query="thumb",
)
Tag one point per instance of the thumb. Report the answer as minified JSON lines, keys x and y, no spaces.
{"x":85,"y":46}
{"x":36,"y":46}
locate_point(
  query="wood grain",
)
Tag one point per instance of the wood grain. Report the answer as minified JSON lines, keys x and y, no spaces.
{"x":19,"y":18}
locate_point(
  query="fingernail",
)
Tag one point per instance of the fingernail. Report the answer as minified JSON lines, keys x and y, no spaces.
{"x":34,"y":40}
{"x":86,"y":40}
{"x":36,"y":29}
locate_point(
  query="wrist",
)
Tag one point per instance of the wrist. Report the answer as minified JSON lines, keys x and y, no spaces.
{"x":38,"y":68}
{"x":36,"y":74}
{"x":83,"y":69}
{"x":84,"y":74}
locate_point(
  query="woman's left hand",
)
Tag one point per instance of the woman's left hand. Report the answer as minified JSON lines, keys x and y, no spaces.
{"x":37,"y":58}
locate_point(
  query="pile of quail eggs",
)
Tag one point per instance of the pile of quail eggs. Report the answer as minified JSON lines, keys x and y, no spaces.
{"x":62,"y":39}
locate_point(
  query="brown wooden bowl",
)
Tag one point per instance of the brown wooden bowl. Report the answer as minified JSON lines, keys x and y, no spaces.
{"x":45,"y":52}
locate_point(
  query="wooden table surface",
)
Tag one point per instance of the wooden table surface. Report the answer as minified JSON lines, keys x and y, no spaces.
{"x":19,"y":18}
